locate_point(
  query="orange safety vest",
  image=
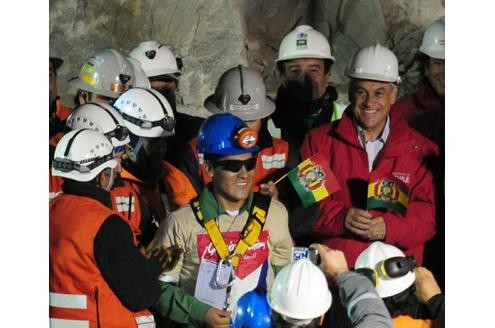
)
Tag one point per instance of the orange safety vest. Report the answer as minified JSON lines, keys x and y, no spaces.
{"x":61,"y":111}
{"x":125,"y":201}
{"x":269,"y":161}
{"x":54,"y":185}
{"x":405,"y":321}
{"x":79,"y":295}
{"x":179,"y":190}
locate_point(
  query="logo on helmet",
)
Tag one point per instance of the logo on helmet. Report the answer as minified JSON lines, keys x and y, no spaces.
{"x":244,"y":99}
{"x":150,"y":54}
{"x":246,"y":137}
{"x":302,"y":44}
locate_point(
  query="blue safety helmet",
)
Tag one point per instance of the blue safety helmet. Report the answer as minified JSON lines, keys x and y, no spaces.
{"x":224,"y":134}
{"x":253,"y":311}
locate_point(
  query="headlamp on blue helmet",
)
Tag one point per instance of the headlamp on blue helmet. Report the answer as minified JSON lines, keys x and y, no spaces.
{"x":224,"y":134}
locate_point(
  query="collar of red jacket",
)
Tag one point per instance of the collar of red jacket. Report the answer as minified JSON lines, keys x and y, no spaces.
{"x":400,"y":133}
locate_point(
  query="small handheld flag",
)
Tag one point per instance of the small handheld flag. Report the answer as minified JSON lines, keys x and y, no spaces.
{"x":387,"y":191}
{"x":313,"y":180}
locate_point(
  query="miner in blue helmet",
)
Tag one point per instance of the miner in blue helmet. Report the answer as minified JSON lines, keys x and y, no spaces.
{"x":233,"y":238}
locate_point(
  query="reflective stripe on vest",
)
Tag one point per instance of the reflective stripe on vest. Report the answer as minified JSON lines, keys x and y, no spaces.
{"x":338,"y":110}
{"x":275,"y":161}
{"x":66,"y":323}
{"x":123,"y":203}
{"x":68,"y":301}
{"x":146,"y":321}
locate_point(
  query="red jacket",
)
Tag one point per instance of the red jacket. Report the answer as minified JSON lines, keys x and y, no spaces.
{"x":424,"y":112}
{"x":78,"y":291}
{"x":403,"y":155}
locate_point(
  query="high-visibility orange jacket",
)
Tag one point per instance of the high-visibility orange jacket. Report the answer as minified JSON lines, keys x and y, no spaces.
{"x":405,"y":321}
{"x":79,"y":294}
{"x":172,"y":192}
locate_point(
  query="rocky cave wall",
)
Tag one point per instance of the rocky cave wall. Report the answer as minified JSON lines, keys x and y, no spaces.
{"x":214,"y":35}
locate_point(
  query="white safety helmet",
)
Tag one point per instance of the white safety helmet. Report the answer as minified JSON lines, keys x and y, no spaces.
{"x":372,"y":258}
{"x":102,"y":118}
{"x":156,"y":59}
{"x":304,"y":42}
{"x":141,"y":79}
{"x":106,"y":73}
{"x":433,"y":43}
{"x":300,"y":292}
{"x":241,"y":92}
{"x":82,"y":154}
{"x":375,"y":62}
{"x":146,"y":113}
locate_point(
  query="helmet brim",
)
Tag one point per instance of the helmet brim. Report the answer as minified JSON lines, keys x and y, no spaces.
{"x":77,"y":83}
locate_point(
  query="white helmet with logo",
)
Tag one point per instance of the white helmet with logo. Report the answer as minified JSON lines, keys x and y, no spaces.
{"x":241,"y":92}
{"x":300,"y":292}
{"x":433,"y":43}
{"x":304,"y":42}
{"x":373,"y":256}
{"x":102,"y":118}
{"x":106,"y":73}
{"x":375,"y":62}
{"x":156,"y":59}
{"x":146,"y":113}
{"x":141,"y":79}
{"x":82,"y":154}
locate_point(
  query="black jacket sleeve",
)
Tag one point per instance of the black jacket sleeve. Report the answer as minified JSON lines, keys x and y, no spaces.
{"x":187,"y":163}
{"x":132,"y":277}
{"x":436,"y":307}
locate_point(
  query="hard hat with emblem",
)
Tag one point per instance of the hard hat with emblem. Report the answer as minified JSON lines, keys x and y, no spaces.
{"x":241,"y":91}
{"x":156,"y":59}
{"x":224,"y":134}
{"x":107,"y":73}
{"x":433,"y":43}
{"x":82,"y":154}
{"x":375,"y":62}
{"x":304,"y":42}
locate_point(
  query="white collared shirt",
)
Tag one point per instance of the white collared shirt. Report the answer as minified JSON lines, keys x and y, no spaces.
{"x":374,"y":147}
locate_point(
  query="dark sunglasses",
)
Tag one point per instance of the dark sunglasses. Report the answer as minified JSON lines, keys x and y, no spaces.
{"x":234,"y":165}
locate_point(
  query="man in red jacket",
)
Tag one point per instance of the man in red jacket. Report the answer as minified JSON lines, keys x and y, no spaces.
{"x":370,"y":137}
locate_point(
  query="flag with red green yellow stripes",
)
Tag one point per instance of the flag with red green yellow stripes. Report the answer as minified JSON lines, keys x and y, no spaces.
{"x":313,"y":180}
{"x":387,"y":191}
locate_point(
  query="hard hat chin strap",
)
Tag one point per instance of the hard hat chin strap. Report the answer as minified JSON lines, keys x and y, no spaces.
{"x":109,"y":185}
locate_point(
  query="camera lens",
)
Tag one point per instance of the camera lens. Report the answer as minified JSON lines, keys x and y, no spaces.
{"x":314,"y":256}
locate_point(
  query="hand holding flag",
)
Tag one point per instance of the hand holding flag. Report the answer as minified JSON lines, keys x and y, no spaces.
{"x":313,"y":180}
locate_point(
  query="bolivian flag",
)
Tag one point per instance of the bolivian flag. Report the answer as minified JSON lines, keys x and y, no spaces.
{"x":387,"y":191}
{"x":313,"y":180}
